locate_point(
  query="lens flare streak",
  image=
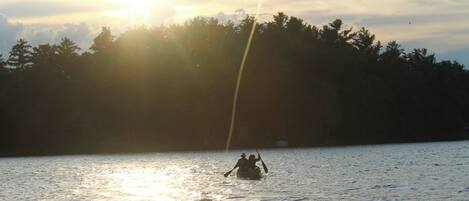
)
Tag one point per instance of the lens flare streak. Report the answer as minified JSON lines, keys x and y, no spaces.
{"x":240,"y":75}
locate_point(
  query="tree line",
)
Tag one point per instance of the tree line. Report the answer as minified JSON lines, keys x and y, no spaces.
{"x":171,"y":87}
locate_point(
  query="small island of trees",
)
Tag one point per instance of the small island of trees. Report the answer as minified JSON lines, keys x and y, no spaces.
{"x":171,"y":88}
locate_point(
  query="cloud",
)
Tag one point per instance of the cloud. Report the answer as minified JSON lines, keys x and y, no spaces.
{"x":25,"y":9}
{"x":35,"y":34}
{"x":237,"y":16}
{"x":8,"y":33}
{"x":411,"y":19}
{"x":457,"y":55}
{"x":82,"y":34}
{"x":439,"y":25}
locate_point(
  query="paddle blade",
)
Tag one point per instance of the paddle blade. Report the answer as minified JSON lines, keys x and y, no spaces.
{"x":265,"y":167}
{"x":228,"y":173}
{"x":263,"y":164}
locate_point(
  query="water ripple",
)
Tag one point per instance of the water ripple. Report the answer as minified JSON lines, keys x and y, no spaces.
{"x":390,"y":172}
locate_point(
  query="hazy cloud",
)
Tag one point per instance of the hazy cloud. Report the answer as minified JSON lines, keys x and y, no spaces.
{"x":82,"y":34}
{"x":35,"y":34}
{"x":235,"y":17}
{"x":22,"y":9}
{"x":440,"y":25}
{"x":8,"y":33}
{"x":460,"y":55}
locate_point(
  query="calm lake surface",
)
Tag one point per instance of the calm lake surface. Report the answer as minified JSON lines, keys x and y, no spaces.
{"x":431,"y":171}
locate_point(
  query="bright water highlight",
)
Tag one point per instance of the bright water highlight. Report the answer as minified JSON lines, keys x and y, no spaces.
{"x":430,"y":171}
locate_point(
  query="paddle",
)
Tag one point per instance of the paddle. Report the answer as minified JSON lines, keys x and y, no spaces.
{"x":228,"y":173}
{"x":263,"y":164}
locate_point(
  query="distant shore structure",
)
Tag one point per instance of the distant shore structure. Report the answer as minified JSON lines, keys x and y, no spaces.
{"x":282,"y":143}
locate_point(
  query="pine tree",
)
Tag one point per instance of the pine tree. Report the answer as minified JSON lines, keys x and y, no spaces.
{"x":3,"y":63}
{"x":20,"y":55}
{"x":43,"y":53}
{"x":67,"y":48}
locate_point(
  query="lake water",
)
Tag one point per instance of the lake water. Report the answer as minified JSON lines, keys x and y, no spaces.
{"x":431,"y":171}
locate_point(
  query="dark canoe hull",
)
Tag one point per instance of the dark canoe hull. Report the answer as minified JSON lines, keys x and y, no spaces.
{"x":253,"y":174}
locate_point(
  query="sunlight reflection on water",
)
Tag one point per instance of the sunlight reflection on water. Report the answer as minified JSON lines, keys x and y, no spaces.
{"x":137,"y":181}
{"x":147,"y":183}
{"x":436,"y":171}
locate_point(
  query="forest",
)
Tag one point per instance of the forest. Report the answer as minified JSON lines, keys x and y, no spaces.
{"x":170,"y":88}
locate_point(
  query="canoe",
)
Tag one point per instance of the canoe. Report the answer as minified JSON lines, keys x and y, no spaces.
{"x":252,"y":174}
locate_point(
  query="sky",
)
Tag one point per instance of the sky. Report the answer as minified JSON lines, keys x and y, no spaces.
{"x":442,"y":26}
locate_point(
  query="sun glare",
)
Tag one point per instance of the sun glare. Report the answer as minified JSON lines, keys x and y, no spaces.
{"x":134,"y":9}
{"x":139,"y":7}
{"x":149,"y":184}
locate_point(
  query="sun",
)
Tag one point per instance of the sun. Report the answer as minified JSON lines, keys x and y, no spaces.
{"x":139,"y":7}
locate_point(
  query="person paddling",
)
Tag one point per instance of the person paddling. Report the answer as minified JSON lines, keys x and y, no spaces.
{"x":253,"y":160}
{"x":242,"y":164}
{"x":248,"y":168}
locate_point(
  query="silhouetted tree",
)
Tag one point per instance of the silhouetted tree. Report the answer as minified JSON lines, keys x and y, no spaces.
{"x":44,"y":54}
{"x":171,"y":88}
{"x":67,"y":49}
{"x":103,"y":41}
{"x":3,"y":63}
{"x":393,"y":52}
{"x":333,"y":33}
{"x":20,"y":55}
{"x":420,"y":57}
{"x":364,"y":41}
{"x":280,"y":21}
